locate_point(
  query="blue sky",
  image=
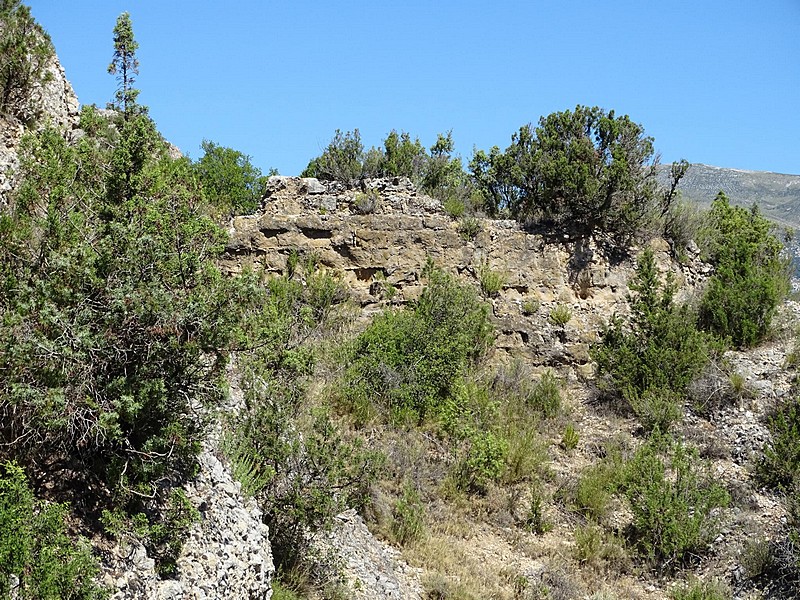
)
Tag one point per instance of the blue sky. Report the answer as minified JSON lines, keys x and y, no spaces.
{"x":713,"y":81}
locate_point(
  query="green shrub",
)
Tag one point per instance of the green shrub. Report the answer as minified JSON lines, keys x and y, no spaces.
{"x":36,"y":549}
{"x":586,"y":171}
{"x":342,"y":160}
{"x":483,"y":462}
{"x":570,"y":439}
{"x":529,"y":307}
{"x":365,"y":203}
{"x":545,"y":396}
{"x":656,"y":408}
{"x":757,"y":558}
{"x":408,"y":517}
{"x":307,"y":471}
{"x":438,"y":173}
{"x":408,"y":361}
{"x":649,"y":362}
{"x":673,"y":499}
{"x":560,"y":315}
{"x":535,"y":520}
{"x":26,"y":49}
{"x":230,"y":182}
{"x":454,"y":207}
{"x":594,"y":546}
{"x":682,"y":224}
{"x":702,"y":590}
{"x":527,"y":453}
{"x":779,"y":467}
{"x":116,"y":322}
{"x":750,"y":274}
{"x":469,"y":227}
{"x":491,"y":281}
{"x":596,"y":486}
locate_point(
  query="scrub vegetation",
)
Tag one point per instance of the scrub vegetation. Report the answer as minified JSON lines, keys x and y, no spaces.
{"x":117,"y":331}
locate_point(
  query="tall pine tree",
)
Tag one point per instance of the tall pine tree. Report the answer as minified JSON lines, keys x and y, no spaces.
{"x":125,"y":65}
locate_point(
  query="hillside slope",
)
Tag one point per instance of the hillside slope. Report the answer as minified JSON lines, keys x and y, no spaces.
{"x":777,"y":194}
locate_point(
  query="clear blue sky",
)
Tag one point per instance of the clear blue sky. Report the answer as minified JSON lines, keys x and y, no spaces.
{"x":713,"y":81}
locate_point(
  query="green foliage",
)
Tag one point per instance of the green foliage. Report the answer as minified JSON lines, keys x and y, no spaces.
{"x":560,"y":315}
{"x":482,"y":463}
{"x":408,"y":361}
{"x":570,"y":439}
{"x":682,"y":225}
{"x":115,"y":321}
{"x":702,"y":590}
{"x":594,"y":546}
{"x":308,"y":471}
{"x":491,"y":281}
{"x":650,"y":362}
{"x":401,"y":156}
{"x":673,"y":499}
{"x":230,"y":182}
{"x":535,"y":521}
{"x":342,"y":160}
{"x":35,"y":547}
{"x":545,"y":396}
{"x":454,"y":207}
{"x":596,"y":486}
{"x":779,"y":466}
{"x":290,"y":454}
{"x":365,"y":203}
{"x":439,"y":173}
{"x":584,"y":171}
{"x":25,"y":49}
{"x":408,"y":517}
{"x":750,"y":274}
{"x":469,"y":227}
{"x":125,"y":66}
{"x":529,"y":307}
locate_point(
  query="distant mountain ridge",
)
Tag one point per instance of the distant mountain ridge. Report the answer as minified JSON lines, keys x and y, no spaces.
{"x":777,"y":194}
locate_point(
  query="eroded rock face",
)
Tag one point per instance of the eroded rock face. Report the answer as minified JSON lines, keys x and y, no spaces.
{"x":53,"y":102}
{"x":389,"y":246}
{"x":227,"y":553}
{"x":371,"y":568}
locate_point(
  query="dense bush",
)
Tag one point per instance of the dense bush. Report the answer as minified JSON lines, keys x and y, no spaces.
{"x":35,"y":549}
{"x":229,"y":180}
{"x":438,"y":173}
{"x":114,"y":318}
{"x":587,"y":171}
{"x":673,"y":499}
{"x":288,"y":452}
{"x":779,"y":466}
{"x":407,"y":361}
{"x":650,"y":361}
{"x":114,"y":322}
{"x":750,"y":273}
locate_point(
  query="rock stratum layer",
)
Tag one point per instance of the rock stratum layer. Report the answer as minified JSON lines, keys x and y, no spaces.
{"x":390,"y":245}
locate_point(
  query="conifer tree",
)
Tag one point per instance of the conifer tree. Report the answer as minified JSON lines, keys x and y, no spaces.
{"x":125,"y":65}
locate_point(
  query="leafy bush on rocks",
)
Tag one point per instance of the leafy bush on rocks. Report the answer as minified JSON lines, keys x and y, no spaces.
{"x":38,"y":559}
{"x":407,"y":361}
{"x":674,"y":501}
{"x":649,"y":362}
{"x":750,"y":273}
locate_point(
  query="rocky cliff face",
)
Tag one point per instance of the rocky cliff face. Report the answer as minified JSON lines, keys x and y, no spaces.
{"x":53,"y":102}
{"x":387,"y":248}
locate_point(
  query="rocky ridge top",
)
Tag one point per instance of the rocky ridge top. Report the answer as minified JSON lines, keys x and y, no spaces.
{"x":378,"y":239}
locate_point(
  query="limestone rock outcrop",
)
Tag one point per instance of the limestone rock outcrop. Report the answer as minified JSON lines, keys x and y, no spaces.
{"x":387,"y":246}
{"x":52,"y":101}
